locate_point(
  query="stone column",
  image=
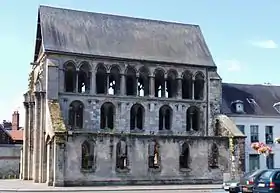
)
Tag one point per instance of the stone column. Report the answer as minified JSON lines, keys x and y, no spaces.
{"x":31,"y":140}
{"x":77,"y":81}
{"x":179,"y":88}
{"x":42,"y":138}
{"x":136,"y":86}
{"x":36,"y":135}
{"x":107,"y":83}
{"x":192,"y":88}
{"x":25,"y":143}
{"x":152,"y":86}
{"x":123,"y":86}
{"x":59,"y":161}
{"x":50,"y":163}
{"x":93,"y":83}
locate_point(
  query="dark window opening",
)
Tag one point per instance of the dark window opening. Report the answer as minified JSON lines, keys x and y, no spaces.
{"x":171,"y":85}
{"x":131,"y":82}
{"x":84,"y":78}
{"x":101,"y":80}
{"x":121,"y":155}
{"x":70,"y":78}
{"x":187,"y":86}
{"x":143,"y":82}
{"x":217,"y":128}
{"x":165,"y":118}
{"x":114,"y":81}
{"x":87,"y":156}
{"x":214,"y":161}
{"x":107,"y":116}
{"x":199,"y":87}
{"x":159,"y":84}
{"x":76,"y":111}
{"x":193,"y":119}
{"x":137,"y":117}
{"x":185,"y":156}
{"x":154,"y":156}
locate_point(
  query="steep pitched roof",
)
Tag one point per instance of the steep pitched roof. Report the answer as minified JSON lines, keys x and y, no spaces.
{"x":264,"y":97}
{"x":96,"y":34}
{"x":16,"y":135}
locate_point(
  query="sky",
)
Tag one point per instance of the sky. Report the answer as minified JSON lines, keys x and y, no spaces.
{"x":243,"y":37}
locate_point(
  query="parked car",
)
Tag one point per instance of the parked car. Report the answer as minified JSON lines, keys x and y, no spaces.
{"x":248,"y":180}
{"x":269,"y":182}
{"x":231,"y":186}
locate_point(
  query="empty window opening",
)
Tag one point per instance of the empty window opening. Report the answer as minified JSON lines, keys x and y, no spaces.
{"x":184,"y":156}
{"x":214,"y":155}
{"x":199,"y":86}
{"x":165,"y":118}
{"x":114,"y":81}
{"x":87,"y":156}
{"x":107,"y":116}
{"x":187,"y":85}
{"x":84,"y":78}
{"x":137,"y":117}
{"x":101,"y":80}
{"x":217,"y":128}
{"x":131,"y":81}
{"x":154,"y":155}
{"x":70,"y":74}
{"x":143,"y":82}
{"x":76,"y":111}
{"x":193,"y":118}
{"x":159,"y":84}
{"x":121,"y":155}
{"x":171,"y":84}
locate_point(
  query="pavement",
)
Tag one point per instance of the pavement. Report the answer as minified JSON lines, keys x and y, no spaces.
{"x":29,"y":186}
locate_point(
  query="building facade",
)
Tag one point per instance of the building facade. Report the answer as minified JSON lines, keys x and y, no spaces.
{"x":121,"y":100}
{"x":255,"y":111}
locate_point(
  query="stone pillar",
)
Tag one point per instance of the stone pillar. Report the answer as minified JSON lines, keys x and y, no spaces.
{"x":50,"y":163}
{"x":36,"y":135}
{"x":123,"y":86}
{"x":42,"y":139}
{"x":192,"y":88}
{"x":77,"y":81}
{"x":93,"y":83}
{"x":179,"y":88}
{"x":25,"y":143}
{"x":59,"y":161}
{"x":31,"y":140}
{"x":152,"y":86}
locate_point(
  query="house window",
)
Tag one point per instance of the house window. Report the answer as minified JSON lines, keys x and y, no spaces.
{"x":254,"y":129}
{"x":269,"y":134}
{"x":270,"y":161}
{"x":241,"y":128}
{"x":254,"y":162}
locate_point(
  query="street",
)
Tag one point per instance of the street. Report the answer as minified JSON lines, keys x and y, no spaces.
{"x":144,"y":191}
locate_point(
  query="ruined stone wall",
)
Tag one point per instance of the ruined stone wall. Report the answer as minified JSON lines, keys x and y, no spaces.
{"x":105,"y":160}
{"x":10,"y":160}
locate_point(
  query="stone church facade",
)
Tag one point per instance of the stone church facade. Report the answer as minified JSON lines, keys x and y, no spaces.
{"x":119,"y":100}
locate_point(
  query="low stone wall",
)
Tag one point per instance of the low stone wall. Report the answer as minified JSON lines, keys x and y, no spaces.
{"x":10,"y":161}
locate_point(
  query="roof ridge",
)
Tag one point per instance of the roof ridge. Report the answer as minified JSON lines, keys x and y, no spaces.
{"x":123,"y":16}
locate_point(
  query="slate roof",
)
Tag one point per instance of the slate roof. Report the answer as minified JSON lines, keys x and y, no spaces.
{"x":97,"y":34}
{"x":265,"y":97}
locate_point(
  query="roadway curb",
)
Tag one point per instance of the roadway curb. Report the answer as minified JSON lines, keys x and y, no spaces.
{"x":202,"y":189}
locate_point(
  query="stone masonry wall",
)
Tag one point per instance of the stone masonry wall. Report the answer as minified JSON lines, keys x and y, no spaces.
{"x":10,"y":160}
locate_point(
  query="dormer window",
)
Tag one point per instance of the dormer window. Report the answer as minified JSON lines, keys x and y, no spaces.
{"x":277,"y":107}
{"x":251,"y":101}
{"x":238,"y":106}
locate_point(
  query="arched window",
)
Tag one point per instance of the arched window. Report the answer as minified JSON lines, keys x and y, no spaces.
{"x":193,"y":118}
{"x":137,"y":117}
{"x":171,"y":84}
{"x":184,"y":156}
{"x":114,"y":81}
{"x":159,"y":83}
{"x":154,"y":155}
{"x":130,"y":81}
{"x":187,"y":85}
{"x":165,"y":118}
{"x":76,"y":111}
{"x":70,"y":77}
{"x":87,"y":155}
{"x":122,"y":158}
{"x":84,"y":77}
{"x":143,"y":82}
{"x":101,"y":79}
{"x":107,"y":116}
{"x":199,"y":86}
{"x":214,"y":156}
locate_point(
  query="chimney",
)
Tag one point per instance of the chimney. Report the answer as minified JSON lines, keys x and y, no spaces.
{"x":15,"y":121}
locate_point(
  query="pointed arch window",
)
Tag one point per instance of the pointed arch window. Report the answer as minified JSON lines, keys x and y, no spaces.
{"x":76,"y":110}
{"x":121,"y":155}
{"x":154,"y":155}
{"x":107,"y":116}
{"x":214,"y":156}
{"x":137,"y":114}
{"x":87,"y":155}
{"x":184,"y":156}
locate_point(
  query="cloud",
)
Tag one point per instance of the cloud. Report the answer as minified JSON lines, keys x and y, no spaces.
{"x":232,"y":65}
{"x":267,"y":44}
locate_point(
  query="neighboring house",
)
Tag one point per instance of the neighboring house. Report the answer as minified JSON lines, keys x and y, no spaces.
{"x":255,"y":109}
{"x":13,"y":129}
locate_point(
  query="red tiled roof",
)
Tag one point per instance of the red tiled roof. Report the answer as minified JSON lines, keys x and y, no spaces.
{"x":17,"y":135}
